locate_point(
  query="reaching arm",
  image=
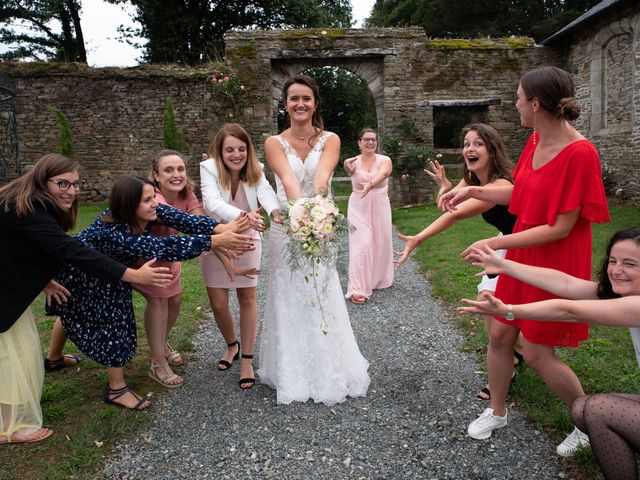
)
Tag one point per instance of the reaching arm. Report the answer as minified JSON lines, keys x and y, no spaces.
{"x":327,"y":164}
{"x":532,"y":237}
{"x":499,"y":195}
{"x":553,"y":281}
{"x":616,"y":312}
{"x":277,"y":160}
{"x":467,"y":209}
{"x":349,"y":165}
{"x":386,"y":167}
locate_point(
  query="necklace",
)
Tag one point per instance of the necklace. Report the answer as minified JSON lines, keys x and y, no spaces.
{"x":305,"y":137}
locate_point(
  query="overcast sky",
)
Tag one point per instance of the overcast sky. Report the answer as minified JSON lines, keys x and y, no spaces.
{"x":100,"y":21}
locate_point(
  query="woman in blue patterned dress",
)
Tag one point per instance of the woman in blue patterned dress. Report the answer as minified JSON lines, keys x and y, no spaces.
{"x":99,"y":316}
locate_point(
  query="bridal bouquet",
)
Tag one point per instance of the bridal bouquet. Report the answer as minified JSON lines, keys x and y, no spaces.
{"x":314,"y":226}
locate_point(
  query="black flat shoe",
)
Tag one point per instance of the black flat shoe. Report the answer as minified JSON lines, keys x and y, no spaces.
{"x":223,"y":364}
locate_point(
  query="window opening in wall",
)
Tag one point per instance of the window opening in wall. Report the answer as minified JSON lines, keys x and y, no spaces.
{"x":449,"y":120}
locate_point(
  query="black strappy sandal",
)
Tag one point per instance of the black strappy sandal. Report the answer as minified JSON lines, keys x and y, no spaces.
{"x":519,"y":357}
{"x":227,"y":365}
{"x":117,"y":393}
{"x":250,"y":382}
{"x":54,"y":365}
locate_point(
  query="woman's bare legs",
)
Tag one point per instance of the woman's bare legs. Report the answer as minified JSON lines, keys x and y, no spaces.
{"x":156,"y":314}
{"x":248,"y":328}
{"x":556,"y":374}
{"x":219,"y":301}
{"x":502,"y":338}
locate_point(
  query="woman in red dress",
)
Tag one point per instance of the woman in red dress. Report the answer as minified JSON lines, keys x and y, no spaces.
{"x":558,"y":193}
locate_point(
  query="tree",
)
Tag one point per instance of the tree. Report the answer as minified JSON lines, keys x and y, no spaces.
{"x":191,"y":31}
{"x":28,"y":24}
{"x":478,"y":18}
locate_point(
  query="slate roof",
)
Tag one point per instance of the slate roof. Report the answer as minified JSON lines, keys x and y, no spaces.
{"x":587,"y":18}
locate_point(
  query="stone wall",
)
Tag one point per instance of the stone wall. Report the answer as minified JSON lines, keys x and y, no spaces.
{"x":116,"y":114}
{"x":605,"y":60}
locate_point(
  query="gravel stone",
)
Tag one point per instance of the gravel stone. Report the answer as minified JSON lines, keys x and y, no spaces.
{"x":411,"y":425}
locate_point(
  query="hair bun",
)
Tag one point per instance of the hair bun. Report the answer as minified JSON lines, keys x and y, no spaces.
{"x":568,"y":108}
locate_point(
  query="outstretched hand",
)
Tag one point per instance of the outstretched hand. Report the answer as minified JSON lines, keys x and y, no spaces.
{"x":411,"y":242}
{"x":438,"y":175}
{"x":256,"y":221}
{"x":449,"y":201}
{"x":153,"y":276}
{"x":486,"y":258}
{"x":478,"y":245}
{"x":277,"y":217}
{"x":490,"y":305}
{"x":240,"y":224}
{"x":232,"y":241}
{"x":56,"y":292}
{"x":367,"y":187}
{"x":228,"y":264}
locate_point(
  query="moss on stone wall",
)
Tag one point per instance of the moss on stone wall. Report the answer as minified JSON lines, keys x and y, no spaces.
{"x":247,"y":51}
{"x":330,"y":33}
{"x":479,"y":43}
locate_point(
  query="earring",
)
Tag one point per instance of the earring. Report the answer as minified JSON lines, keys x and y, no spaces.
{"x":535,"y":131}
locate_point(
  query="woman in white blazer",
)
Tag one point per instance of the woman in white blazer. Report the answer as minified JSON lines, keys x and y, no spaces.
{"x":232,"y":181}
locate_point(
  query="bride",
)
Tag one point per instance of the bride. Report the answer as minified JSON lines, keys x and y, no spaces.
{"x":296,"y":358}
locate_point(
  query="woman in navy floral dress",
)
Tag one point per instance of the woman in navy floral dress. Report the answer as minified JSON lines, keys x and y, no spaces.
{"x":99,"y":316}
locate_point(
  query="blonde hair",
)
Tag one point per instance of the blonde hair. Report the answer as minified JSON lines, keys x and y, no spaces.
{"x":155,"y":168}
{"x":251,"y":171}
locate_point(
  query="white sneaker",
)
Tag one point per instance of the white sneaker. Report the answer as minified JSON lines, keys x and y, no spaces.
{"x":481,"y":427}
{"x":574,"y":442}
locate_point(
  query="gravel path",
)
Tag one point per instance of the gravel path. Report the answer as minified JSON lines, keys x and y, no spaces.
{"x":412,"y":424}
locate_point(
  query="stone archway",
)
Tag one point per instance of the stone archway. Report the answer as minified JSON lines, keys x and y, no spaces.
{"x":371,"y":71}
{"x":411,"y":78}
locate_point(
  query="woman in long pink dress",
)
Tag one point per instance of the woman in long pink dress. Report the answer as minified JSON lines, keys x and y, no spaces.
{"x":370,"y":243}
{"x":233,"y":182}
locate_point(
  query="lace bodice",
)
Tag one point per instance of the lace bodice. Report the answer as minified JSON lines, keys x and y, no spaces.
{"x":304,"y":170}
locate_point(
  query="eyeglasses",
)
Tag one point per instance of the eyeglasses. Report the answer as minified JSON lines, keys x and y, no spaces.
{"x":369,"y":139}
{"x":64,"y":185}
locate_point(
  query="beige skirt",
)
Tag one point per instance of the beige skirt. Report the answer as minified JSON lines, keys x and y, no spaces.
{"x":21,"y":377}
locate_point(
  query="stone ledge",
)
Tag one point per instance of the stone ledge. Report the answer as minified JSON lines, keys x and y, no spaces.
{"x":460,"y":102}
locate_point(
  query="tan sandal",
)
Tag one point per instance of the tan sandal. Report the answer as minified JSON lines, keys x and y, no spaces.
{"x":174,"y":358}
{"x":167,"y":380}
{"x":358,"y":299}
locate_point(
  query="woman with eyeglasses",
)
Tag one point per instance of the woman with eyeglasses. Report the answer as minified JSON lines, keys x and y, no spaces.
{"x":369,"y":211}
{"x":35,"y":211}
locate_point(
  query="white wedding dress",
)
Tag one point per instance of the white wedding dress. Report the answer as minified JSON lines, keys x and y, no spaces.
{"x":296,"y":358}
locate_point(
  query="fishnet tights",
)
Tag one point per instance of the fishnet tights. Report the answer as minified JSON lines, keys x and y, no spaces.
{"x":612,"y":421}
